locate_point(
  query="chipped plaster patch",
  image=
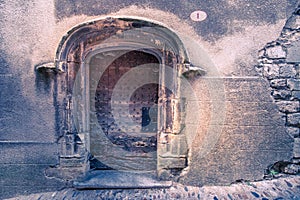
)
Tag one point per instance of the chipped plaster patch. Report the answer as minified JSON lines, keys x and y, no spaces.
{"x":242,"y":45}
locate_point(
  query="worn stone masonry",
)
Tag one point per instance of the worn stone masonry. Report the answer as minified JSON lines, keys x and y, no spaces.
{"x":279,"y":63}
{"x":221,"y":127}
{"x":75,"y":140}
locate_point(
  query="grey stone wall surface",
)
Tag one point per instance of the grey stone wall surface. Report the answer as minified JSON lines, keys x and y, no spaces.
{"x":28,"y":143}
{"x":251,"y":132}
{"x":252,"y":136}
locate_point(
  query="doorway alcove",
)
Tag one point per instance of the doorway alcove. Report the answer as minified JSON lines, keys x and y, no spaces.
{"x":128,"y":134}
{"x":118,"y":97}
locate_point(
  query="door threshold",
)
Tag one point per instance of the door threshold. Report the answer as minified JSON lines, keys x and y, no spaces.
{"x":113,"y":179}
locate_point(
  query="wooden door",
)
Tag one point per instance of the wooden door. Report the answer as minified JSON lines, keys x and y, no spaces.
{"x":132,"y":139}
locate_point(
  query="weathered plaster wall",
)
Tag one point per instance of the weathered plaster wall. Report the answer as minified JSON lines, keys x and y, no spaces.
{"x":27,"y":133}
{"x":253,"y":134}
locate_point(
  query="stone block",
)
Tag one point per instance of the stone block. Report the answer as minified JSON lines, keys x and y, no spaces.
{"x":13,"y":191}
{"x":296,"y":160}
{"x":278,"y":83}
{"x":293,"y":55}
{"x":25,"y":175}
{"x":275,"y":52}
{"x":241,"y":89}
{"x":288,"y":106}
{"x":252,"y":114}
{"x":28,"y":153}
{"x":297,"y":68}
{"x":112,"y":179}
{"x":296,"y":150}
{"x":292,"y":169}
{"x":293,"y":119}
{"x":294,"y":84}
{"x":169,"y":162}
{"x":292,"y":131}
{"x":72,"y":162}
{"x":287,"y":71}
{"x":247,"y":138}
{"x":179,"y":145}
{"x":293,"y":22}
{"x":206,"y":89}
{"x":25,"y":124}
{"x":271,"y":71}
{"x":281,"y":94}
{"x":296,"y":95}
{"x":66,"y":173}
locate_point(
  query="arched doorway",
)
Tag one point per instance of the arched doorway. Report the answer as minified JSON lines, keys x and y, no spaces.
{"x":93,"y":60}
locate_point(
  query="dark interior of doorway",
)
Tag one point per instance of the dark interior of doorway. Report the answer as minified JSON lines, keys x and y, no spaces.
{"x":142,"y":107}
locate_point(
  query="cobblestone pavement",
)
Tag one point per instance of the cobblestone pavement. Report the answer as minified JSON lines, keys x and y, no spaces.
{"x":281,"y":188}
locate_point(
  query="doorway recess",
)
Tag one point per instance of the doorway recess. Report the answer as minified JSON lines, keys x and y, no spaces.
{"x":119,"y":101}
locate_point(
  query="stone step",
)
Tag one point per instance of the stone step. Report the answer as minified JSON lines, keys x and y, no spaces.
{"x":113,"y":179}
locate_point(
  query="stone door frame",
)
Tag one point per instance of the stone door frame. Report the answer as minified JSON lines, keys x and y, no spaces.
{"x":108,"y":34}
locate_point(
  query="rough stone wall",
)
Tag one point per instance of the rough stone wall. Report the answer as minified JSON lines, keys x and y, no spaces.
{"x":279,"y":64}
{"x":253,"y":132}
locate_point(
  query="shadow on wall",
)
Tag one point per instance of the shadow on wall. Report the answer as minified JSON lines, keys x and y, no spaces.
{"x":44,"y":79}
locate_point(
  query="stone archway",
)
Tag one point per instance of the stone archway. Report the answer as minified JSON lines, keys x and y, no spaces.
{"x":74,"y":97}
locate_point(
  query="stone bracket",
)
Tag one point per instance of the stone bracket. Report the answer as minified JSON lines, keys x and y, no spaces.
{"x":190,"y":70}
{"x":50,"y":67}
